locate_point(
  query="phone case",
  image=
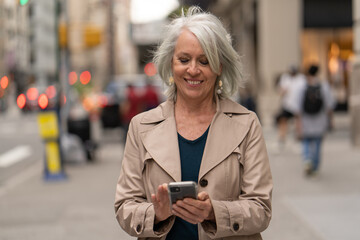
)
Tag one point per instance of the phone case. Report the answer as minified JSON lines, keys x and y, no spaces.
{"x":181,"y":190}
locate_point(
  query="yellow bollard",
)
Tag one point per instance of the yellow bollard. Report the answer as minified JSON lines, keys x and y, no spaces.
{"x":49,"y":131}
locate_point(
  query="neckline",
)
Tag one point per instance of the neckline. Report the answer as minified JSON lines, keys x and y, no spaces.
{"x":197,"y":139}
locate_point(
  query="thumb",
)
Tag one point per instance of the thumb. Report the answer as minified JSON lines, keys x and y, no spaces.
{"x":203,"y":196}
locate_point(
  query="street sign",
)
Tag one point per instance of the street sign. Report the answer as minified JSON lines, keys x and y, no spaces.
{"x":48,"y":125}
{"x":49,"y":131}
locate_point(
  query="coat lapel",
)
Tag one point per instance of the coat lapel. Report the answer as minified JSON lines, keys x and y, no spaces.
{"x":161,"y":141}
{"x":225,"y":135}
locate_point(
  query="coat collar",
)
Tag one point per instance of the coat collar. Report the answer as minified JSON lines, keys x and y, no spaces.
{"x":225,"y":134}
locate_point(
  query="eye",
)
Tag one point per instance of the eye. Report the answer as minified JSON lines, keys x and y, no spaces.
{"x":204,"y":61}
{"x":183,"y":60}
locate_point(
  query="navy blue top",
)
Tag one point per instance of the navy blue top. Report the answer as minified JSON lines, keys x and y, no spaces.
{"x":191,"y":153}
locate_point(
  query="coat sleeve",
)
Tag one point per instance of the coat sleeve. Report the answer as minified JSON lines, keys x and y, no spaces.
{"x":133,"y":212}
{"x":251,"y":212}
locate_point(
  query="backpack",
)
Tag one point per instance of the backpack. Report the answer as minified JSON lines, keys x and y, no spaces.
{"x":313,"y":101}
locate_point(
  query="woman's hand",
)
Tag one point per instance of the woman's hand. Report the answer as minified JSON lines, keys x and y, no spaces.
{"x":194,"y":210}
{"x":161,"y":203}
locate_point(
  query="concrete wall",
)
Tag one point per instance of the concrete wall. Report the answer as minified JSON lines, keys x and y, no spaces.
{"x":14,"y":36}
{"x":125,"y":51}
{"x":239,"y":19}
{"x":279,"y":26}
{"x":97,"y":58}
{"x":83,"y":13}
{"x":2,"y":38}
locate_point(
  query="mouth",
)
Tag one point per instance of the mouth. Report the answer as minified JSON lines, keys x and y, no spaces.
{"x":193,"y":82}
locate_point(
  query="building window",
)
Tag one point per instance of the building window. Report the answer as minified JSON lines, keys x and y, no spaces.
{"x":327,"y":14}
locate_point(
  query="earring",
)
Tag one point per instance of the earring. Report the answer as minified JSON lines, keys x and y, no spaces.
{"x":219,"y":90}
{"x":171,"y":81}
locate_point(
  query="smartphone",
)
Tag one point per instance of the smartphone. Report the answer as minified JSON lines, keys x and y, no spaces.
{"x":181,"y":190}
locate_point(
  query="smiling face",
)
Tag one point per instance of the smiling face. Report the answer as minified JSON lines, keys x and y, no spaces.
{"x":192,"y":74}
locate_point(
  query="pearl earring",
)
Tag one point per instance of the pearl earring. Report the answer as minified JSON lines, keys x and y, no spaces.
{"x":219,"y":90}
{"x":171,"y":81}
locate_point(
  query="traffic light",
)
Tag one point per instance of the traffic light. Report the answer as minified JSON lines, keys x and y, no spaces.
{"x":72,"y":78}
{"x":43,"y":101}
{"x":32,"y":94}
{"x":150,"y":69}
{"x":21,"y":101}
{"x":85,"y":77}
{"x":4,"y":82}
{"x":92,"y":35}
{"x":63,"y":38}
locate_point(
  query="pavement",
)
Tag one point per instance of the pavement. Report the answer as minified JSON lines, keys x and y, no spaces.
{"x":323,"y":207}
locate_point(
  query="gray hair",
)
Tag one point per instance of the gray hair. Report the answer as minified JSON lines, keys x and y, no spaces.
{"x":215,"y":42}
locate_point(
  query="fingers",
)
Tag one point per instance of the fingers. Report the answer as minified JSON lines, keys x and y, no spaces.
{"x":189,"y":213}
{"x":162,"y":193}
{"x":153,"y":199}
{"x":194,"y":211}
{"x":160,"y":202}
{"x":207,"y":206}
{"x":191,"y":210}
{"x":186,"y":212}
{"x":203,"y":196}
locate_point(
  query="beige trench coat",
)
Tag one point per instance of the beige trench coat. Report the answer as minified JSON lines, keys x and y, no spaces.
{"x":234,"y":171}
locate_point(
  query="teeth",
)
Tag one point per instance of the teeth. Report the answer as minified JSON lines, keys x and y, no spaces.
{"x":194,"y":82}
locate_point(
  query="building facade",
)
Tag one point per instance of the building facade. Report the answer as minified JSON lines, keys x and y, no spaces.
{"x":355,"y":77}
{"x":99,"y":39}
{"x":43,"y":42}
{"x":239,"y":17}
{"x":274,"y":35}
{"x":14,"y":42}
{"x":2,"y":37}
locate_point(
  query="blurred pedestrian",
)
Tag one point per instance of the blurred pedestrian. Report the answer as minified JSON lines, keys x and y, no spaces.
{"x":247,"y":99}
{"x":289,"y":84}
{"x":314,"y":118}
{"x":150,"y":98}
{"x":198,"y":135}
{"x":131,"y":106}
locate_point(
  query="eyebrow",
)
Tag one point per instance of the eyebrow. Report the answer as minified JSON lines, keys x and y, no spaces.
{"x":187,"y":54}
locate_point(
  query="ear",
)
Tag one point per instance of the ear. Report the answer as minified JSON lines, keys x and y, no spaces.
{"x":171,"y":64}
{"x":220,"y":70}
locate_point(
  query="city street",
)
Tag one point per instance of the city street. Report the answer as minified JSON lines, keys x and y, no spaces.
{"x":93,"y":65}
{"x":80,"y":207}
{"x":323,"y":207}
{"x":21,"y":145}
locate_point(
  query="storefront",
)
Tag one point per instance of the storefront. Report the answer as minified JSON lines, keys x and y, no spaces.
{"x":327,"y":40}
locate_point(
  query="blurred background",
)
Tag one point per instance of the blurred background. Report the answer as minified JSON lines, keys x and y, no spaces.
{"x":73,"y":73}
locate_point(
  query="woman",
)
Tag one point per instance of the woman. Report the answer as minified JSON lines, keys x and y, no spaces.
{"x":198,"y":134}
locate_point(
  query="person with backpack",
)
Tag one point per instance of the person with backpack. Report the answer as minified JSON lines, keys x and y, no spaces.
{"x":313,"y":118}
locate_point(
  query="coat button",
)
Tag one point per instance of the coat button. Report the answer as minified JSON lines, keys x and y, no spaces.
{"x":203,"y":182}
{"x":138,"y":228}
{"x":236,"y":226}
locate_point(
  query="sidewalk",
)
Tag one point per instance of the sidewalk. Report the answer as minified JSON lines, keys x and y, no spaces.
{"x":78,"y":208}
{"x":325,"y":207}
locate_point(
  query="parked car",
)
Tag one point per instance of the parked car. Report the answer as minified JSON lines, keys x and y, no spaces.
{"x":36,"y":98}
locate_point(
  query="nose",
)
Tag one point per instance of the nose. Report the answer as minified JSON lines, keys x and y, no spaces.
{"x":193,"y":68}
